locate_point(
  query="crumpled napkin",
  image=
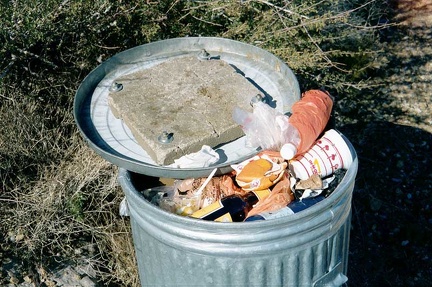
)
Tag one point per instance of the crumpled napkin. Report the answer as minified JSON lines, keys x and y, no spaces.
{"x":203,"y":158}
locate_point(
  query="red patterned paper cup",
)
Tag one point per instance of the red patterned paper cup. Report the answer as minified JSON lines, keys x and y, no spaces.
{"x":329,"y":153}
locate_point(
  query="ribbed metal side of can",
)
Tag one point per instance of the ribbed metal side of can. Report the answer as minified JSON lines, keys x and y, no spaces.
{"x":309,"y":248}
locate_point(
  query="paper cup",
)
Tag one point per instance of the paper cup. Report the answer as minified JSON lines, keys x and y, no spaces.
{"x":328,"y":154}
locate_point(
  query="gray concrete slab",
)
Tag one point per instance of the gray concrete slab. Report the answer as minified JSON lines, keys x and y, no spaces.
{"x":191,"y":100}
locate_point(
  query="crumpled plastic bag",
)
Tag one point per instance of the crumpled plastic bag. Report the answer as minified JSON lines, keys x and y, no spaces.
{"x":189,"y":195}
{"x":265,"y":127}
{"x":169,"y":199}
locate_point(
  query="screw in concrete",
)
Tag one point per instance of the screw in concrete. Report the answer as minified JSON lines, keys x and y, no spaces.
{"x":204,"y":55}
{"x":257,"y":98}
{"x":165,"y":137}
{"x":116,"y":87}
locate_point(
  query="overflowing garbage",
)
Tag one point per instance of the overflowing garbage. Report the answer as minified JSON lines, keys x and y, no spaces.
{"x":300,"y":165}
{"x":268,"y":194}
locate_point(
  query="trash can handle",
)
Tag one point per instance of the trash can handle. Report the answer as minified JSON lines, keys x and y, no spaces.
{"x":333,"y":278}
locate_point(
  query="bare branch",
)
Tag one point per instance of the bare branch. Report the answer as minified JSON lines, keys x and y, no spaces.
{"x":280,"y":8}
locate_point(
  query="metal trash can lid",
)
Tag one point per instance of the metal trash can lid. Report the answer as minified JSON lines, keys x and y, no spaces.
{"x":113,"y":140}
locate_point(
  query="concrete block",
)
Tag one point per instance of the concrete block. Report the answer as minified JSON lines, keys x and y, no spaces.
{"x":188,"y":99}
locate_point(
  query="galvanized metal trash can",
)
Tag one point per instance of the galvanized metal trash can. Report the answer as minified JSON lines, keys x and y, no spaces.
{"x":309,"y":248}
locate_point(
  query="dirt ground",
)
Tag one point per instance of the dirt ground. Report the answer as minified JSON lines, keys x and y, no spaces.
{"x":390,"y":242}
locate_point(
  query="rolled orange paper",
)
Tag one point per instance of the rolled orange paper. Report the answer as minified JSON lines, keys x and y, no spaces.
{"x":310,"y":116}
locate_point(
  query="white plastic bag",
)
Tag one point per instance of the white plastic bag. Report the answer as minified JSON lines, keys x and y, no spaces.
{"x":265,"y":127}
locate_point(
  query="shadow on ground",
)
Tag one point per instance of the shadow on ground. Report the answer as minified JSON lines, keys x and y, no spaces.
{"x":392,"y":216}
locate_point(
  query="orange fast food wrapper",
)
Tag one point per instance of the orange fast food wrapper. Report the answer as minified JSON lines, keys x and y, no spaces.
{"x":259,"y":172}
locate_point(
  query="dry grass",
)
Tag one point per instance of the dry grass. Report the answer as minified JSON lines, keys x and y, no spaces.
{"x":70,"y":213}
{"x":59,"y":200}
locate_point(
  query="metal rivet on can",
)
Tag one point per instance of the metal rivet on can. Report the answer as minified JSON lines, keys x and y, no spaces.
{"x":166,"y":137}
{"x":116,"y":87}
